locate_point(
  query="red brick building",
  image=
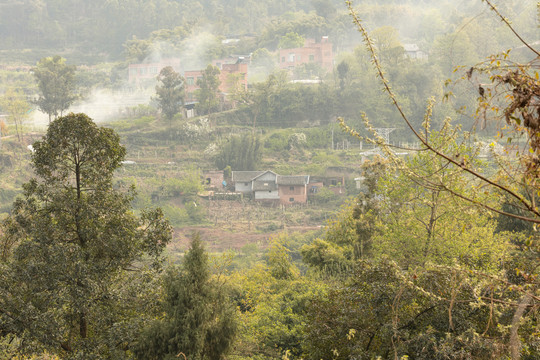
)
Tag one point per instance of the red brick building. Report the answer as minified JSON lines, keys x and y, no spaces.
{"x":233,"y":76}
{"x":292,"y":189}
{"x":191,"y":77}
{"x":319,"y":53}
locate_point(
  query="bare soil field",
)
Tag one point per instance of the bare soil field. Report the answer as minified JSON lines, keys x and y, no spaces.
{"x":219,"y":239}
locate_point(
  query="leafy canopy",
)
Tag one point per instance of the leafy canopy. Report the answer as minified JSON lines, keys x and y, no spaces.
{"x":73,"y":280}
{"x":56,"y":83}
{"x":170,"y":92}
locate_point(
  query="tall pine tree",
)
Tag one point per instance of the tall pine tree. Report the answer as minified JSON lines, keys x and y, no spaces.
{"x":198,"y":320}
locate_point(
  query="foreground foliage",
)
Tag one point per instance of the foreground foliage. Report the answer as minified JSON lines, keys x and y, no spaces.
{"x":198,"y":321}
{"x":78,"y":265}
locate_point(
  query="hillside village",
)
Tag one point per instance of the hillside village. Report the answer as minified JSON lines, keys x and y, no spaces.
{"x":269,"y":179}
{"x":234,"y":70}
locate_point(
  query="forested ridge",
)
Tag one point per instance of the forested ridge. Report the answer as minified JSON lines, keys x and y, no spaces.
{"x":99,"y":29}
{"x":126,"y":237}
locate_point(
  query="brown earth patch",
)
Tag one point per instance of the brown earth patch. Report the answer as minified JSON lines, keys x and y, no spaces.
{"x":218,"y":239}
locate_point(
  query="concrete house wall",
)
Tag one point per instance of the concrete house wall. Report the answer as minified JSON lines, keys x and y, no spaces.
{"x":265,"y":187}
{"x":267,"y":195}
{"x":243,"y":180}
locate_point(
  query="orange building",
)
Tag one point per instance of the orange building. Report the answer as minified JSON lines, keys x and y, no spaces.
{"x":313,"y":52}
{"x":292,"y":189}
{"x":191,"y":77}
{"x":233,"y":76}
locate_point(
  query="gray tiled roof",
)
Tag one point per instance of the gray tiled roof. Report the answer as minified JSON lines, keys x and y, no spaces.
{"x":292,"y":179}
{"x":264,"y":185}
{"x":245,"y":176}
{"x":264,"y":173}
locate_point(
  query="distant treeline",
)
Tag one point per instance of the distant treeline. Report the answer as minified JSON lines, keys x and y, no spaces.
{"x":100,"y":28}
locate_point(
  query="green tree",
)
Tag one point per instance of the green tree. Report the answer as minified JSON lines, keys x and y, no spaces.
{"x":264,"y":59}
{"x":427,"y":222}
{"x":240,"y":153}
{"x":199,"y":321}
{"x":386,"y":40}
{"x":273,"y":299}
{"x":170,"y":92}
{"x":17,"y":108}
{"x":136,"y":50}
{"x":383,"y":312}
{"x":56,"y":83}
{"x":342,"y":70}
{"x":291,"y":40}
{"x":207,"y":95}
{"x":515,"y":178}
{"x":73,"y":281}
{"x":279,"y":261}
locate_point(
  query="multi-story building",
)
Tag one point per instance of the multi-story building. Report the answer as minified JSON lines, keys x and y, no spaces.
{"x":233,"y":76}
{"x":270,"y":187}
{"x":319,"y":53}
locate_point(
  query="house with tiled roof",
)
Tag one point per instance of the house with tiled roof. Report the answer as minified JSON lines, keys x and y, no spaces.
{"x":292,"y":188}
{"x":242,"y":180}
{"x":265,"y":186}
{"x":271,"y":187}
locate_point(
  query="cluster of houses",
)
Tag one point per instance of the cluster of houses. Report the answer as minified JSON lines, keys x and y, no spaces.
{"x":234,"y":70}
{"x":233,"y":74}
{"x":236,"y":67}
{"x":271,"y":188}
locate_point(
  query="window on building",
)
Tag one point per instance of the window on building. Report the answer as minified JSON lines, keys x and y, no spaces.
{"x":291,"y":57}
{"x":283,"y":59}
{"x":312,"y":57}
{"x":291,"y":199}
{"x":246,"y":184}
{"x":291,"y":188}
{"x":190,"y":80}
{"x":299,"y":58}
